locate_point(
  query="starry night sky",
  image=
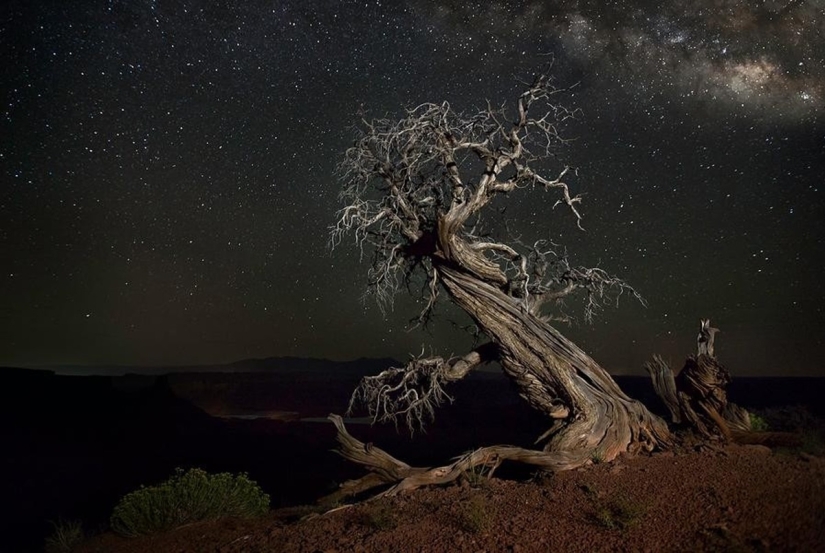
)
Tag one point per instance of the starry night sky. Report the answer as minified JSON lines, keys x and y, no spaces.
{"x":167,"y":172}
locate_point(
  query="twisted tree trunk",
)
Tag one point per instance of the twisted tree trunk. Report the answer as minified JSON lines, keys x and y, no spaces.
{"x":556,"y":377}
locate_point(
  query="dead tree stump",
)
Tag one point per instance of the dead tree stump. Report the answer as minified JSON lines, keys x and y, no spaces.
{"x":697,"y":396}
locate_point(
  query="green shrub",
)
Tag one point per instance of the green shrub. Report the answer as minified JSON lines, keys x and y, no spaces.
{"x":189,"y":496}
{"x":66,"y":536}
{"x":758,"y":423}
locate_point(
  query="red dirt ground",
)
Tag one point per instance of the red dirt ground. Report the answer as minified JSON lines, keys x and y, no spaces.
{"x":736,"y":498}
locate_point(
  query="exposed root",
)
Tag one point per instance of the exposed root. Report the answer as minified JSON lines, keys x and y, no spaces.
{"x":387,"y":470}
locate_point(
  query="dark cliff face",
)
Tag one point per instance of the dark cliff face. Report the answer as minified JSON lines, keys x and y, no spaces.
{"x":43,"y":406}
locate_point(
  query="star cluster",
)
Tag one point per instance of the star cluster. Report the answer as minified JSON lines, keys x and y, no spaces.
{"x":167,"y":171}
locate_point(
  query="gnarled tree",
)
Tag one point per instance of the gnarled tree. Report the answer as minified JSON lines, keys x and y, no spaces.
{"x":414,"y":192}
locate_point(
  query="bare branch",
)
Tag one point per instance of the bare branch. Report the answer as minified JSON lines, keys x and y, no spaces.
{"x":414,"y":391}
{"x":527,"y":174}
{"x":409,"y":188}
{"x":552,"y":279}
{"x":432,"y":297}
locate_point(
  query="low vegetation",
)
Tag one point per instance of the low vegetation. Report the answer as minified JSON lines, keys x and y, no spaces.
{"x":758,"y":423}
{"x":187,"y":497}
{"x":616,"y":513}
{"x":477,"y":476}
{"x":474,"y":515}
{"x":67,"y":534}
{"x":619,"y":513}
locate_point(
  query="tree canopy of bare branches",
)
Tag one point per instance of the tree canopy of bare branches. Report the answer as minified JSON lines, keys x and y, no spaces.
{"x":414,"y":193}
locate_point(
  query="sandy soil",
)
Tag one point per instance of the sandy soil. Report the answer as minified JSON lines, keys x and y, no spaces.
{"x":736,"y":498}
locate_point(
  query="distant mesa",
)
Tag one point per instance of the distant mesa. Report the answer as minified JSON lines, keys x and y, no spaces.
{"x":282,"y":416}
{"x":280,"y":364}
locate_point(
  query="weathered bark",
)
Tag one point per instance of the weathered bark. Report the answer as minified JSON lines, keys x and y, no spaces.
{"x":556,"y":377}
{"x":703,"y":381}
{"x":697,"y":395}
{"x":665,"y":385}
{"x":698,"y":400}
{"x":383,"y":468}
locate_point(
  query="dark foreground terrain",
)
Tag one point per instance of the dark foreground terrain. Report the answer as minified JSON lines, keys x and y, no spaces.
{"x":73,"y":445}
{"x":738,"y":498}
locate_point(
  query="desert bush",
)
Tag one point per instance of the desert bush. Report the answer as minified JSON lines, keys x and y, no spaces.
{"x":65,"y":536}
{"x":619,"y":514}
{"x":477,"y":476}
{"x":188,"y":496}
{"x":758,"y":423}
{"x":474,"y":516}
